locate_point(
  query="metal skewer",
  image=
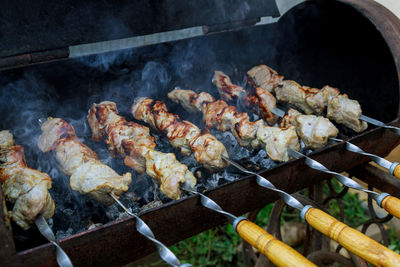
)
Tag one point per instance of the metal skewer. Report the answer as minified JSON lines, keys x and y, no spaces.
{"x":165,"y":253}
{"x":379,"y":123}
{"x":349,"y":238}
{"x":393,"y":209}
{"x":62,"y":258}
{"x":278,"y":252}
{"x":391,"y":166}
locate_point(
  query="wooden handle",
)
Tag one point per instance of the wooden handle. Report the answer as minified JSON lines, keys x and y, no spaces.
{"x":351,"y":239}
{"x":392,"y":205}
{"x":276,"y":251}
{"x":396,"y":171}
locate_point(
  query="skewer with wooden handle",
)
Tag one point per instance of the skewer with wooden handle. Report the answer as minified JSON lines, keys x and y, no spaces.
{"x":391,"y":204}
{"x":392,"y":167}
{"x":276,"y":251}
{"x":351,"y":239}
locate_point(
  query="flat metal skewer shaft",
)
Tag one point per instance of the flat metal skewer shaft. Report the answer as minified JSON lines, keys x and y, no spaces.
{"x":391,"y":166}
{"x":62,"y":258}
{"x":165,"y":253}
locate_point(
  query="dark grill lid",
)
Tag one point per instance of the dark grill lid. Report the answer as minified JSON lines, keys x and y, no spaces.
{"x":31,"y":26}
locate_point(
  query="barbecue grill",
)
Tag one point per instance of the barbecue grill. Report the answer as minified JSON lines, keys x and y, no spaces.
{"x":58,"y":60}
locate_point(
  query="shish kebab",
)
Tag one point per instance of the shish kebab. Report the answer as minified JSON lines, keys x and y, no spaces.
{"x":193,"y":102}
{"x":124,"y":137}
{"x":316,"y":129}
{"x":27,"y":189}
{"x":183,"y":135}
{"x":134,"y":142}
{"x":345,"y":235}
{"x":88,"y":175}
{"x":389,"y":203}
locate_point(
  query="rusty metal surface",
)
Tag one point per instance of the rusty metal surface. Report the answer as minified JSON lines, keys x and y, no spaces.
{"x":377,"y":178}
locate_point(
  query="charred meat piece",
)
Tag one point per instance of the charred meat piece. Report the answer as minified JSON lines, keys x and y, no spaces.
{"x":315,"y":131}
{"x":261,"y":102}
{"x":264,"y":77}
{"x":183,"y":135}
{"x":220,"y":115}
{"x":88,"y":175}
{"x":346,"y":111}
{"x":25,"y":187}
{"x":227,"y":90}
{"x":134,"y":143}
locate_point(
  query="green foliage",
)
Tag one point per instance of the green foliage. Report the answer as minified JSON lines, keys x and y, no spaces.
{"x":394,"y":241}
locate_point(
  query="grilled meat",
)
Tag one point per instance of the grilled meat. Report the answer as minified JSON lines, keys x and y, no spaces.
{"x":315,"y":131}
{"x":25,"y":187}
{"x":346,"y":111}
{"x":88,"y":175}
{"x":293,"y":93}
{"x":183,"y":135}
{"x":311,"y":100}
{"x":134,"y":143}
{"x":228,"y":90}
{"x":261,"y":102}
{"x":264,"y":77}
{"x":220,"y":115}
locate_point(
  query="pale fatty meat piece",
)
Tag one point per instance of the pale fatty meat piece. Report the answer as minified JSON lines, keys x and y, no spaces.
{"x":25,"y":187}
{"x":88,"y":174}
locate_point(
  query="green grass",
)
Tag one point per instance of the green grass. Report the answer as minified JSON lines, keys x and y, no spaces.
{"x":221,"y":246}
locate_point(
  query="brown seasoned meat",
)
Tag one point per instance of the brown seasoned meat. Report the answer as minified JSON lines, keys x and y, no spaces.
{"x":182,"y":135}
{"x":25,"y":187}
{"x":88,"y":175}
{"x":134,"y":143}
{"x":220,"y":115}
{"x":315,"y":131}
{"x":264,"y":77}
{"x":228,"y":91}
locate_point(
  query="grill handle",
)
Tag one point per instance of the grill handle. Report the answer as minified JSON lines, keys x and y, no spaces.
{"x":276,"y":251}
{"x":392,"y":205}
{"x":351,"y":239}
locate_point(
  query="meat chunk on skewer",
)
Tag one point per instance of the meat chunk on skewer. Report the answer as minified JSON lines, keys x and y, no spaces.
{"x":311,"y":100}
{"x":293,"y":93}
{"x":88,"y":175}
{"x":134,"y":143}
{"x":315,"y":131}
{"x":183,"y":135}
{"x":220,"y":115}
{"x":346,"y":111}
{"x":264,"y":77}
{"x":25,"y":187}
{"x":261,"y":103}
{"x":228,"y":90}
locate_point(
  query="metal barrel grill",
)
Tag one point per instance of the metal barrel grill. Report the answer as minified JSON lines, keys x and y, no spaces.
{"x":121,"y":51}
